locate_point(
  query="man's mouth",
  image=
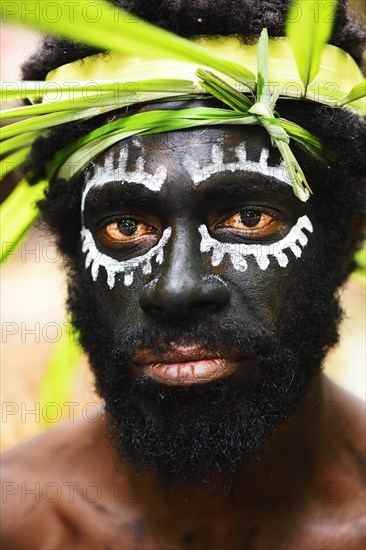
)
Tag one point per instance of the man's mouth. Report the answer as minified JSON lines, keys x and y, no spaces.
{"x":185,"y":366}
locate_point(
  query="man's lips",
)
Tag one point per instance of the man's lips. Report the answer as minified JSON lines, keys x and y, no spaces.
{"x":185,"y":366}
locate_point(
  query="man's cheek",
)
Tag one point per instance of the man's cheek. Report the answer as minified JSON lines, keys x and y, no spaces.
{"x":257,"y":296}
{"x":269,"y":297}
{"x":119,"y":304}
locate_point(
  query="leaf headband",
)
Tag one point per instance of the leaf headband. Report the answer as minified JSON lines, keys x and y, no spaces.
{"x":248,"y":79}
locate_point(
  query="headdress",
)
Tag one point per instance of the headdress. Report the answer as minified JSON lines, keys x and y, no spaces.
{"x":151,"y":64}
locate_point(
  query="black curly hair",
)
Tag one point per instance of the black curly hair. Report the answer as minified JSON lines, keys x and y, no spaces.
{"x":339,"y":183}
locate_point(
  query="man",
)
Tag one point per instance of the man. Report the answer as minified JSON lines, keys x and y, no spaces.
{"x":205,"y":293}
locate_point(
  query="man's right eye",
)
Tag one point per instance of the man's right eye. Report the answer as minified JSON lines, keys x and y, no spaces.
{"x":126,"y":230}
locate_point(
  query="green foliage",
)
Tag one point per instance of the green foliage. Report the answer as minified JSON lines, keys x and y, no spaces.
{"x":223,"y":91}
{"x":57,"y":384}
{"x":359,"y":275}
{"x":308,"y":28}
{"x":18,"y":213}
{"x":263,"y":90}
{"x":357,"y":92}
{"x":106,"y":35}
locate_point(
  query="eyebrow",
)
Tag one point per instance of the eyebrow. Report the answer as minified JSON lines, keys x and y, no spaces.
{"x":228,"y":185}
{"x":109,"y":172}
{"x":201,"y":172}
{"x":136,"y":195}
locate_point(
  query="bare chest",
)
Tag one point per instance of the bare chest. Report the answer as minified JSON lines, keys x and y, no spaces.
{"x":102,"y":528}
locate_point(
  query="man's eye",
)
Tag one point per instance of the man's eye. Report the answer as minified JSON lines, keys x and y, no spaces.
{"x":125,"y":229}
{"x":251,"y":221}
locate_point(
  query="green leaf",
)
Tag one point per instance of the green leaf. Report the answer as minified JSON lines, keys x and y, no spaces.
{"x":309,"y":26}
{"x":18,"y":142}
{"x":275,"y":131}
{"x":141,"y":92}
{"x":36,"y":124}
{"x":117,"y":30}
{"x":223,"y":91}
{"x":85,"y":154}
{"x":263,"y":91}
{"x":357,"y":92}
{"x":11,"y":162}
{"x":53,"y":90}
{"x":297,"y":177}
{"x":261,"y":109}
{"x":76,"y":156}
{"x":312,"y":143}
{"x":17,"y":214}
{"x":58,"y":381}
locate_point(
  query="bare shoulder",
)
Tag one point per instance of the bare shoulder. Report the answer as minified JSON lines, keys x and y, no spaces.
{"x":43,"y":484}
{"x":48,"y":451}
{"x":345,"y":469}
{"x":346,"y":416}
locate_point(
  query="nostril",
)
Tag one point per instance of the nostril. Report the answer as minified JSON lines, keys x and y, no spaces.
{"x":199,"y":294}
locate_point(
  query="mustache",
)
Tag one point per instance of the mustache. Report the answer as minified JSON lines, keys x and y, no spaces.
{"x":269,"y":358}
{"x":219,"y":335}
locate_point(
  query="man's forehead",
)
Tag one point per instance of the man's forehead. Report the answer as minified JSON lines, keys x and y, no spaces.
{"x":201,"y":153}
{"x":177,"y":143}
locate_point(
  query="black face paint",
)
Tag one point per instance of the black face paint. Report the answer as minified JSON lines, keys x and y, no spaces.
{"x":277,"y":323}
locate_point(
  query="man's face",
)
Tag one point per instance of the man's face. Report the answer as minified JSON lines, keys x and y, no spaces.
{"x":199,"y":296}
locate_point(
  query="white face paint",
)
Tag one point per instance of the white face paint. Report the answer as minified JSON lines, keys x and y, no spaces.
{"x":200,"y":173}
{"x":106,"y":174}
{"x":96,"y":259}
{"x":238,"y":252}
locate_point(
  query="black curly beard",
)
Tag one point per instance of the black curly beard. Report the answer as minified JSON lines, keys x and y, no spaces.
{"x":196,"y":433}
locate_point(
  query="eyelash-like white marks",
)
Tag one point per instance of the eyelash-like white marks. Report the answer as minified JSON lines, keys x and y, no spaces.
{"x":96,"y":259}
{"x":238,"y":252}
{"x":108,"y":173}
{"x":200,"y":173}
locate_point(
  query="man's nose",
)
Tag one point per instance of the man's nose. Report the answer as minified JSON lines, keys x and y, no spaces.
{"x":185,"y":283}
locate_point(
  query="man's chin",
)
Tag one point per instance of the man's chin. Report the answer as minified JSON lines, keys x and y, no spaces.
{"x":195,"y":432}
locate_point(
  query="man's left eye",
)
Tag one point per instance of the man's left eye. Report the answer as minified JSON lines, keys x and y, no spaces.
{"x":251,"y":221}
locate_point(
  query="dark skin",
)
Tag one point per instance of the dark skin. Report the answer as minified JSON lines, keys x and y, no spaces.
{"x":304,"y":490}
{"x":184,"y":206}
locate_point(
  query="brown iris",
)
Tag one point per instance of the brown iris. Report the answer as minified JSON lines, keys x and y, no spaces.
{"x":124,"y":229}
{"x":251,"y":221}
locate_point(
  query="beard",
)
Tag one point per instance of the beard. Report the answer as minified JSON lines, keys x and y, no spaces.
{"x":202,"y":432}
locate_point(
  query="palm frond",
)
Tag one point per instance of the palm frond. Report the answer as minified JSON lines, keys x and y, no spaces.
{"x":309,"y":26}
{"x":107,"y":33}
{"x":263,"y":90}
{"x":223,"y":91}
{"x":76,"y":156}
{"x":18,"y":213}
{"x":357,"y":92}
